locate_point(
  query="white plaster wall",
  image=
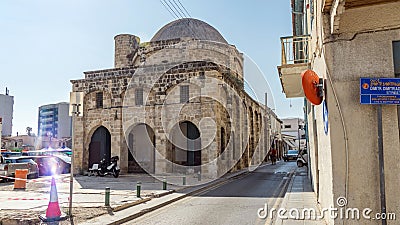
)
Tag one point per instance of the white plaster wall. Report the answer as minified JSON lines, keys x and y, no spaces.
{"x":366,"y":54}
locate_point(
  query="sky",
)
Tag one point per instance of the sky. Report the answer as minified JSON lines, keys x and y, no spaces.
{"x":45,"y":43}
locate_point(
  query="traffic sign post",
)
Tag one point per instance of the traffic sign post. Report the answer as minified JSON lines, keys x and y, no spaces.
{"x":380,"y":91}
{"x":76,"y":100}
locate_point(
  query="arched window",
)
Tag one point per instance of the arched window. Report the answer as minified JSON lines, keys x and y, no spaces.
{"x":99,"y":100}
{"x":222,"y":145}
{"x":139,"y":96}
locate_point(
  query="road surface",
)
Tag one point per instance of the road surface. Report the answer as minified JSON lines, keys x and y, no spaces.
{"x":234,"y":202}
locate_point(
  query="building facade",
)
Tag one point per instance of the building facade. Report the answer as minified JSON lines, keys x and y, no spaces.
{"x":6,"y":113}
{"x":54,"y":121}
{"x":274,"y":132}
{"x":175,"y":104}
{"x":343,"y":41}
{"x":19,"y":143}
{"x":295,"y":127}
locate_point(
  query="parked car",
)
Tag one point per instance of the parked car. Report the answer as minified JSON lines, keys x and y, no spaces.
{"x":10,"y":154}
{"x":64,"y":162}
{"x":48,"y":165}
{"x":9,"y":165}
{"x":290,"y":155}
{"x":47,"y":152}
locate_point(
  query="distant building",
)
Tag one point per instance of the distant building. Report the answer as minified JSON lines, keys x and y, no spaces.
{"x":273,"y":130}
{"x":18,"y":143}
{"x":295,"y":127}
{"x":55,"y":143}
{"x":54,"y":120}
{"x":6,"y":113}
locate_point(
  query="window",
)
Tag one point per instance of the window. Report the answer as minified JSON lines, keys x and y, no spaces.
{"x":396,"y":58}
{"x":396,"y":62}
{"x":184,"y":94}
{"x":139,"y":96}
{"x":99,"y":100}
{"x":288,"y":126}
{"x":222,"y":145}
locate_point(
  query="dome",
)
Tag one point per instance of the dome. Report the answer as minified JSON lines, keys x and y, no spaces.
{"x":188,"y":27}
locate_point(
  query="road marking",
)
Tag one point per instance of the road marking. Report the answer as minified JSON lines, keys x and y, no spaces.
{"x":278,"y":200}
{"x":29,"y":199}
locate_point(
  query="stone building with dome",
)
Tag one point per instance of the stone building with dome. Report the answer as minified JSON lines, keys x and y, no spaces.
{"x":175,"y":104}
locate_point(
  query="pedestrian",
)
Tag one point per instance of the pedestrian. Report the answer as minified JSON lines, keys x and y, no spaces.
{"x":272,"y":155}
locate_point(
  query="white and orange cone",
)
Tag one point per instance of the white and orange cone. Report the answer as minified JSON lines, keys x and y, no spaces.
{"x":53,"y":212}
{"x":53,"y":209}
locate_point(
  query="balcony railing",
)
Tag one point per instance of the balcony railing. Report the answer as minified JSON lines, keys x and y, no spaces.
{"x":295,"y":49}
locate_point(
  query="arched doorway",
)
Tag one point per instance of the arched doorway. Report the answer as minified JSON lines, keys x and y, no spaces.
{"x":100,"y":146}
{"x":141,"y":155}
{"x":186,"y":146}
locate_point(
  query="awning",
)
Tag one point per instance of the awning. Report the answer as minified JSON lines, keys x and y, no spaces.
{"x":290,"y":143}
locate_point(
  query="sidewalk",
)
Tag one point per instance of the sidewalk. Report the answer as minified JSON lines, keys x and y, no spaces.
{"x":300,"y":196}
{"x":23,"y":207}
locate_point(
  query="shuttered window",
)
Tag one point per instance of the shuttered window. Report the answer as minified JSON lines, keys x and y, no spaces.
{"x":184,"y":94}
{"x":99,"y":100}
{"x":139,"y":96}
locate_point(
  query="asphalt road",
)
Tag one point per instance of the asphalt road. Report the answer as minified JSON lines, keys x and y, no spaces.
{"x":234,"y":202}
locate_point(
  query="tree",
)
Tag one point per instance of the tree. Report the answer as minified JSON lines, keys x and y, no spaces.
{"x":29,"y":130}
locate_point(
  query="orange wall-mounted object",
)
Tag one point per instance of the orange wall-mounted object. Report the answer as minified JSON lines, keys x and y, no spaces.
{"x":310,"y":82}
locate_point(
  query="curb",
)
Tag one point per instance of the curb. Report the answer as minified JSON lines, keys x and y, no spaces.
{"x":278,"y":221}
{"x":143,"y":200}
{"x":128,"y":205}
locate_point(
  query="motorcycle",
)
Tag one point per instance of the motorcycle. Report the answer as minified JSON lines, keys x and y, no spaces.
{"x":105,"y":169}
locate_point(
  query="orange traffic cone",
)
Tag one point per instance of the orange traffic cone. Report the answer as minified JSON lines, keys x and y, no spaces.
{"x":53,"y":209}
{"x":53,"y":212}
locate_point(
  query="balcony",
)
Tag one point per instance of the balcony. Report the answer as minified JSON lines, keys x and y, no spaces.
{"x":327,"y":4}
{"x":295,"y":59}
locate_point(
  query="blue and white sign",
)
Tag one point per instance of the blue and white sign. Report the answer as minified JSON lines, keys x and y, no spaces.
{"x":380,"y":91}
{"x":325,"y":117}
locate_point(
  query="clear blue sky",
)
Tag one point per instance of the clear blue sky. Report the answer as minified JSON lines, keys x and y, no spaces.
{"x":45,"y":43}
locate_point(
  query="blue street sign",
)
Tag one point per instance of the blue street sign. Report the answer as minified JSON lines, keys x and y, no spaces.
{"x":325,"y":117}
{"x":380,"y":91}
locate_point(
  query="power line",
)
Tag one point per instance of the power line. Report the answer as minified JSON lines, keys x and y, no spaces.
{"x":167,"y":9}
{"x":180,"y":9}
{"x":170,"y":10}
{"x":184,"y":8}
{"x":175,"y":9}
{"x":175,"y":13}
{"x":187,"y":21}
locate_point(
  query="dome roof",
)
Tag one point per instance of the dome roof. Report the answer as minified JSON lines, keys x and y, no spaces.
{"x":188,"y":27}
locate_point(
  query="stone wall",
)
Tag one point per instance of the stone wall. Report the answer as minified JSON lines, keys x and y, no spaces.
{"x":214,"y":74}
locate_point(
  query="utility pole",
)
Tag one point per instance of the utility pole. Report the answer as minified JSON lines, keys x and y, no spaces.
{"x":76,"y":101}
{"x":75,"y":113}
{"x":298,"y":132}
{"x":1,"y":130}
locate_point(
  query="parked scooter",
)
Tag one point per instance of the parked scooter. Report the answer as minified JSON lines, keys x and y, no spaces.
{"x":105,"y":169}
{"x":302,"y":159}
